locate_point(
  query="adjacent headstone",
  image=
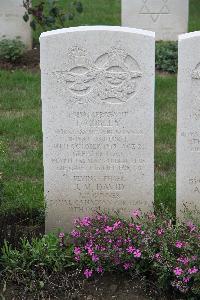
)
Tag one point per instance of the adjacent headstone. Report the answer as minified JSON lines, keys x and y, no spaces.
{"x":168,"y":18}
{"x":188,"y":128}
{"x":98,"y":121}
{"x":12,"y":24}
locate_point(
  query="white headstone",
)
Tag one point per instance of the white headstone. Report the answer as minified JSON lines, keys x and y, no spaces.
{"x":168,"y":18}
{"x":98,"y":121}
{"x":12,"y":24}
{"x":188,"y":127}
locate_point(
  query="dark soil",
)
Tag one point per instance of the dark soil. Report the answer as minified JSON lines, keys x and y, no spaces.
{"x":72,"y":286}
{"x":15,"y":227}
{"x":29,"y":61}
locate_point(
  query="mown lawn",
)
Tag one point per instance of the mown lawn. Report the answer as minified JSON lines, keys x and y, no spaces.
{"x":108,"y":12}
{"x":21,"y":142}
{"x":21,"y":169}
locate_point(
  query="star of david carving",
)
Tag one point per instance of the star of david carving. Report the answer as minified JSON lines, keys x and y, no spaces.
{"x":155,"y":13}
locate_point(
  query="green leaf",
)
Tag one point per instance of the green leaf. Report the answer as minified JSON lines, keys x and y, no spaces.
{"x":79,"y":7}
{"x":26,"y":17}
{"x":33,"y":25}
{"x":41,"y":284}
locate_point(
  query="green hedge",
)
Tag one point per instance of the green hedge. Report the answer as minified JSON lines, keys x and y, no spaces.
{"x":167,"y":56}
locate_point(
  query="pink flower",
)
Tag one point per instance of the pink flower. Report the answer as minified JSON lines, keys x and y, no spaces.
{"x":160,"y":231}
{"x":86,"y":221}
{"x":194,"y":257}
{"x":138,"y":227}
{"x":97,"y":232}
{"x":95,"y":258}
{"x":137,"y":253}
{"x":186,"y":279}
{"x":157,"y":256}
{"x":131,"y":225}
{"x":191,"y":226}
{"x":88,"y":273}
{"x":127,"y":265}
{"x":75,"y":233}
{"x":178,"y":271}
{"x":77,"y":250}
{"x":193,"y":270}
{"x":128,"y":240}
{"x":119,"y":242}
{"x":99,"y":217}
{"x":130,"y":249}
{"x":102,"y":248}
{"x":179,"y":244}
{"x":61,"y":235}
{"x":90,"y":251}
{"x":77,"y":258}
{"x":136,"y":213}
{"x":116,"y":225}
{"x":88,"y":245}
{"x":183,"y":260}
{"x":100,"y":270}
{"x":108,"y":229}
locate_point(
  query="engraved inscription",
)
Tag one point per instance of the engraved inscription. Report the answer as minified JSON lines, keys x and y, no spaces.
{"x":196,"y":72}
{"x":192,"y":139}
{"x":112,"y":77}
{"x":194,"y":183}
{"x":195,"y":101}
{"x":155,"y":9}
{"x":91,"y":152}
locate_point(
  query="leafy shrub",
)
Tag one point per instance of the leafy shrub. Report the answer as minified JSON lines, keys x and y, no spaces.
{"x":145,"y":244}
{"x":167,"y":56}
{"x":49,"y":14}
{"x":11,"y":50}
{"x":33,"y":263}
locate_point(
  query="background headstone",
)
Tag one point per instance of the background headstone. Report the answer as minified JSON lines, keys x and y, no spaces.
{"x":188,"y":126}
{"x":12,"y":24}
{"x":98,"y":121}
{"x":168,"y":18}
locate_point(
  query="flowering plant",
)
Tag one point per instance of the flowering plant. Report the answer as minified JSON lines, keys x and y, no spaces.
{"x":148,"y":244}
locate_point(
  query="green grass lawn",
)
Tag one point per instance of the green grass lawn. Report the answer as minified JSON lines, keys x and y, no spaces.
{"x":108,"y":12}
{"x":21,"y":166}
{"x":21,"y":143}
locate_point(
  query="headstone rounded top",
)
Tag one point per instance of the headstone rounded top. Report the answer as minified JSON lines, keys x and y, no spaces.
{"x":189,"y":35}
{"x":97,"y":28}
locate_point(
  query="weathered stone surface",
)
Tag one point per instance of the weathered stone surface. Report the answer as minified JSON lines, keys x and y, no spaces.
{"x":12,"y":24}
{"x":188,"y":126}
{"x":98,"y":121}
{"x":168,"y":18}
